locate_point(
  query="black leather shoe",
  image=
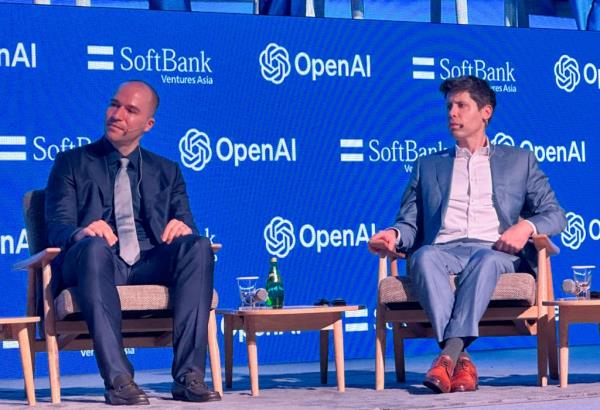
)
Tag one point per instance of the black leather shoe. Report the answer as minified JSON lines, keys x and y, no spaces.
{"x":193,"y":388}
{"x":125,"y":392}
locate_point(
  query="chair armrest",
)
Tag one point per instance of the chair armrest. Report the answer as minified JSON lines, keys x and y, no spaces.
{"x":544,"y":242}
{"x":382,"y":272}
{"x":38,"y":260}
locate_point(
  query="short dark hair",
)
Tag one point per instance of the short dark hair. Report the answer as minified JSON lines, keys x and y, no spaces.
{"x":155,"y":96}
{"x":479,"y":89}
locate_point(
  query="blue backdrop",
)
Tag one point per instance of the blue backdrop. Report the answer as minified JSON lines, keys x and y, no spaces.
{"x":295,"y":136}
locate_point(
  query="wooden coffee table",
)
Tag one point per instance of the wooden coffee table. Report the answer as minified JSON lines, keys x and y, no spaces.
{"x":322,"y":318}
{"x":572,"y":311}
{"x":15,"y":328}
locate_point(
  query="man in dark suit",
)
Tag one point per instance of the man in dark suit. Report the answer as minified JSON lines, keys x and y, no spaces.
{"x":121,"y":216}
{"x":469,"y":210}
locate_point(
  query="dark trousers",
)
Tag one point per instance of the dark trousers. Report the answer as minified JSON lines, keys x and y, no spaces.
{"x":185,"y":266}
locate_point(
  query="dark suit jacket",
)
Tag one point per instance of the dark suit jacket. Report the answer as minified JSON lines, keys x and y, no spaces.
{"x":520,"y":189}
{"x":79,"y":192}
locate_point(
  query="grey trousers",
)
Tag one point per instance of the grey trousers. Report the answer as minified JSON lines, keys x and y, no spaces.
{"x":478,"y":266}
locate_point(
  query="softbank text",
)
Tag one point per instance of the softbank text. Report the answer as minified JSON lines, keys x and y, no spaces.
{"x":48,"y":151}
{"x":400,"y":151}
{"x":478,"y":68}
{"x":165,"y":59}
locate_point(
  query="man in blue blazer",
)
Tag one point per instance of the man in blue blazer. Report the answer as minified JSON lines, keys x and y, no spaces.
{"x":121,"y":216}
{"x":469,"y":210}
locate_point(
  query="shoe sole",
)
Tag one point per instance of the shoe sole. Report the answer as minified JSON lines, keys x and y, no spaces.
{"x":462,"y":389}
{"x":115,"y":401}
{"x":434,"y":385}
{"x":182,"y":396}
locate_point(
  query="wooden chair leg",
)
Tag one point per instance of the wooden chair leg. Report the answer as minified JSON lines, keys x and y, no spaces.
{"x":213,"y":352}
{"x":380,"y":331}
{"x":399,"y":354}
{"x":53,"y":368}
{"x":25,"y":352}
{"x":324,"y":354}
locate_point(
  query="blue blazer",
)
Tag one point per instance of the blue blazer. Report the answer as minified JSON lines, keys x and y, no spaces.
{"x":520,"y":189}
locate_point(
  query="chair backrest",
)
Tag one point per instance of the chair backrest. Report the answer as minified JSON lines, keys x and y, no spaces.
{"x":35,"y":220}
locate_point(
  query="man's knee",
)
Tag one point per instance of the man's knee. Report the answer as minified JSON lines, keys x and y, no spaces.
{"x":489,"y":259}
{"x":90,"y":252}
{"x":197,"y":245}
{"x":423,"y":260}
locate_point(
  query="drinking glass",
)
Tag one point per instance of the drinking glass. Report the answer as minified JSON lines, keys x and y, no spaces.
{"x":247,"y":287}
{"x":582,"y":276}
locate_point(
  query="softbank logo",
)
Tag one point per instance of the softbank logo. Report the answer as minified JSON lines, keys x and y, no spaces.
{"x":280,"y":236}
{"x":573,"y":151}
{"x":12,"y":148}
{"x":98,"y":56}
{"x":351,"y":150}
{"x":276,"y":65}
{"x":423,"y":68}
{"x":568,"y":75}
{"x":429,"y":68}
{"x":376,"y":150}
{"x":196,"y":150}
{"x":173,"y":66}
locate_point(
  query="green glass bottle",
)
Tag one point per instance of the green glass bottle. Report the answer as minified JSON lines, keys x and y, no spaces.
{"x":274,"y":286}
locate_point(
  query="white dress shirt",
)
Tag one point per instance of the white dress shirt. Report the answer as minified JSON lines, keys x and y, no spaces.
{"x":470,"y":213}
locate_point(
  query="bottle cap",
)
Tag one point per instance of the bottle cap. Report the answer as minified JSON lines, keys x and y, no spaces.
{"x":273,"y":259}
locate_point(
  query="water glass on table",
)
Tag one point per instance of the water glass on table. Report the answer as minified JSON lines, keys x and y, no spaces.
{"x":582,"y":276}
{"x":247,"y":287}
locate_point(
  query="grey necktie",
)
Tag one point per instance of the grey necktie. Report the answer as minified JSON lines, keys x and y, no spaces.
{"x":129,"y":247}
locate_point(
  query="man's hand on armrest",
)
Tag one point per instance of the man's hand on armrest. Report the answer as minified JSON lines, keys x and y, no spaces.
{"x":383,"y":243}
{"x":514,"y":238}
{"x":97,"y":228}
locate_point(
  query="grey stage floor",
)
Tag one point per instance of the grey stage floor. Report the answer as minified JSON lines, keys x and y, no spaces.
{"x":507,"y":381}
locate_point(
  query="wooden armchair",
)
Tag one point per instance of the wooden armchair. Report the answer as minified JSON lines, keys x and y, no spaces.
{"x":147,"y":318}
{"x":515,"y":309}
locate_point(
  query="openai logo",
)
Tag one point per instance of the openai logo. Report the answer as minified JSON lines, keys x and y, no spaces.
{"x":195,"y":150}
{"x":566,"y":72}
{"x":503,"y":139}
{"x":274,"y":63}
{"x":574,"y":234}
{"x":279,"y":237}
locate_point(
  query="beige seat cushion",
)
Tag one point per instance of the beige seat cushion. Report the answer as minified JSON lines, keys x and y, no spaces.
{"x":513,"y":288}
{"x":133,"y":298}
